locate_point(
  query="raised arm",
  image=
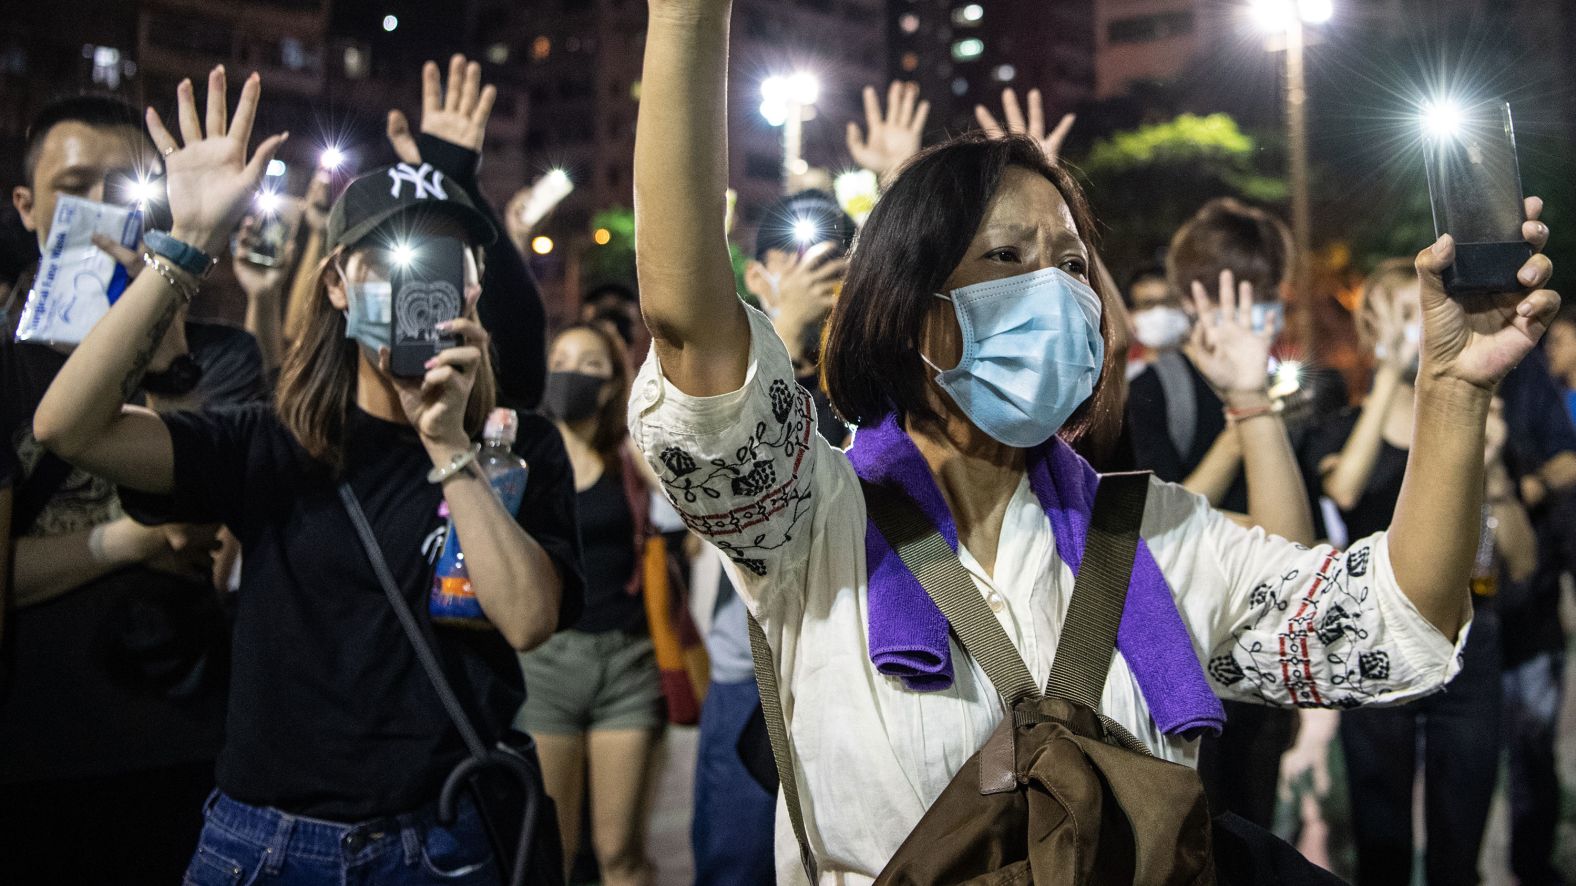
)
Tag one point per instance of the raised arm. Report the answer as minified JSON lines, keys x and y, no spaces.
{"x":1347,"y":474}
{"x":1235,"y":360}
{"x":1468,"y":348}
{"x":83,"y":417}
{"x":697,"y":322}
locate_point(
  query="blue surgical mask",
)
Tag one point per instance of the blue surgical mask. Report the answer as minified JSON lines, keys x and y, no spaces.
{"x":369,"y":316}
{"x":1031,"y":354}
{"x":1269,"y":316}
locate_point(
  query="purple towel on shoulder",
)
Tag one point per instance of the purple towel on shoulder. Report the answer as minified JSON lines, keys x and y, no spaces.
{"x":909,"y":635}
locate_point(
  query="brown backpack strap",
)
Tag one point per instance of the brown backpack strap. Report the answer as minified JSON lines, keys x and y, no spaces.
{"x":933,"y":562}
{"x":777,"y":731}
{"x":1088,"y":639}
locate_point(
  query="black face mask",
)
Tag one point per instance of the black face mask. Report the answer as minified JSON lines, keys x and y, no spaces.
{"x":572,"y":396}
{"x":177,"y":380}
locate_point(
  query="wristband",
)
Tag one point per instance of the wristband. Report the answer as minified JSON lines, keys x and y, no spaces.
{"x":182,"y":255}
{"x":456,"y":464}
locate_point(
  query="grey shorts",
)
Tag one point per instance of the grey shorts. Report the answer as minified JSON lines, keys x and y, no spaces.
{"x":578,"y":682}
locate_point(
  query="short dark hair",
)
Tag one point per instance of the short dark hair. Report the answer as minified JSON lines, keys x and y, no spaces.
{"x":98,"y":111}
{"x":1227,"y":234}
{"x":613,"y":288}
{"x":918,"y":233}
{"x":1152,"y":271}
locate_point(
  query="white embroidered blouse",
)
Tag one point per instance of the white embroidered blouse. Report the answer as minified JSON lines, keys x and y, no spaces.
{"x":1271,"y":621}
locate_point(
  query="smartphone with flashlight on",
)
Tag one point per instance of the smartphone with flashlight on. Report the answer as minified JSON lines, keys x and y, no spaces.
{"x":428,"y":287}
{"x":270,"y":232}
{"x":1474,"y":186}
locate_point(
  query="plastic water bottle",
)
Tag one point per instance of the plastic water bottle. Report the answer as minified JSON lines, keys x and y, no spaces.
{"x":453,"y":601}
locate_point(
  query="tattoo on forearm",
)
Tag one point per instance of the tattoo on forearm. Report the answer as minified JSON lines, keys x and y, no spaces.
{"x":150,"y":345}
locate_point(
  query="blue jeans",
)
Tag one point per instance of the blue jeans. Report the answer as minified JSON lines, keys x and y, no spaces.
{"x":243,"y":844}
{"x":1532,"y":708}
{"x":732,"y":829}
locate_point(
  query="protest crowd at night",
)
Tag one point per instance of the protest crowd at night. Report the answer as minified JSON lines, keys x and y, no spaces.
{"x":727,"y":442}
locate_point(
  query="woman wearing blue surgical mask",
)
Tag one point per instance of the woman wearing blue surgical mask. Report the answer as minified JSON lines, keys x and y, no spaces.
{"x":967,"y":341}
{"x":337,"y":743}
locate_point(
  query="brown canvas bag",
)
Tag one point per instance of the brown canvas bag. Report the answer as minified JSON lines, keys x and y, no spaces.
{"x":1059,"y":794}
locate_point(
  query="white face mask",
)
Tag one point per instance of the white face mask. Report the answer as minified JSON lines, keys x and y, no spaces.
{"x":1161,"y":328}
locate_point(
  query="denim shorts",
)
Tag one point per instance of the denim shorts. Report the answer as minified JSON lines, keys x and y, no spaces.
{"x":578,"y":682}
{"x":243,"y":844}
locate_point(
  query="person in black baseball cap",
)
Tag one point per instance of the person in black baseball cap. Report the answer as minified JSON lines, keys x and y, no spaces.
{"x":383,"y":198}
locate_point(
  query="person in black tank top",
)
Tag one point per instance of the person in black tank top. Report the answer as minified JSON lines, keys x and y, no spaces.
{"x":596,"y":703}
{"x":1361,"y":455}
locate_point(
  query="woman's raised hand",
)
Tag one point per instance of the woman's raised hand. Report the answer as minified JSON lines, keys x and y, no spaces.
{"x":1232,"y":357}
{"x":209,"y":177}
{"x":1479,"y":339}
{"x":457,"y":114}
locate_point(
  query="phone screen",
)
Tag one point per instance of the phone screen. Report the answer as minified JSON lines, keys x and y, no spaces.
{"x":1474,"y":185}
{"x":428,"y":289}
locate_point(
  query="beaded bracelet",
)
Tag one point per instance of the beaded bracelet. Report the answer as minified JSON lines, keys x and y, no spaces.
{"x":187,"y":291}
{"x":458,"y":463}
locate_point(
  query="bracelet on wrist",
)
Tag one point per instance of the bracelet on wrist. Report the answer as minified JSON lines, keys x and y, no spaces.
{"x":458,"y":463}
{"x":1235,"y":415}
{"x":185,"y":289}
{"x":180,"y":254}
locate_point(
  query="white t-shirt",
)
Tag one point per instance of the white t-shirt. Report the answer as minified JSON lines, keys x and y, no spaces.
{"x":1271,"y":621}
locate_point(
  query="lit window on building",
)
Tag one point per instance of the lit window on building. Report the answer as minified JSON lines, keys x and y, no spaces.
{"x":1004,"y":73}
{"x":909,"y":22}
{"x":291,"y":53}
{"x":541,"y":48}
{"x":106,"y":64}
{"x":960,"y":86}
{"x":498,"y":53}
{"x":968,"y":15}
{"x":357,"y":63}
{"x":971,"y":48}
{"x":910,"y":61}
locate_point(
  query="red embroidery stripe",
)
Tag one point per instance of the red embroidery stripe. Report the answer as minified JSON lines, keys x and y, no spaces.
{"x":1291,"y":627}
{"x":700,"y":522}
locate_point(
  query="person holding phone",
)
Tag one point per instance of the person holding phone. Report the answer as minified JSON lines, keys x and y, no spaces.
{"x":336,"y":743}
{"x":917,"y":355}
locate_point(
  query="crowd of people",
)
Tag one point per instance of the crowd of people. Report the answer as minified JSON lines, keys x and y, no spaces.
{"x":844,"y":520}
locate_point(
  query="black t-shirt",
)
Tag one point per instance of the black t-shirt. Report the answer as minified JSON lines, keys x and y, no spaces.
{"x":607,"y":530}
{"x":1153,"y":448}
{"x":85,"y":692}
{"x":1375,"y":508}
{"x":331,"y":715}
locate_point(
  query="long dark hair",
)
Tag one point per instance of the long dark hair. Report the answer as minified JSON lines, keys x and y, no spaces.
{"x":317,"y":383}
{"x":918,"y":233}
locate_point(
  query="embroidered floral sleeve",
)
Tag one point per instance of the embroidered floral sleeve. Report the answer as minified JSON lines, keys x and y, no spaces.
{"x":1287,"y":625}
{"x":736,"y":466}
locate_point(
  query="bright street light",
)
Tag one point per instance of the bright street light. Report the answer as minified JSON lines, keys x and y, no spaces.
{"x":1316,"y":12}
{"x":542,"y":245}
{"x":783,"y":103}
{"x":1275,"y":16}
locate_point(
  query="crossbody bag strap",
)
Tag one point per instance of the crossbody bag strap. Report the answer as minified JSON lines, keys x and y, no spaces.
{"x":413,"y":632}
{"x":777,"y":731}
{"x":939,"y":571}
{"x":1088,"y":638}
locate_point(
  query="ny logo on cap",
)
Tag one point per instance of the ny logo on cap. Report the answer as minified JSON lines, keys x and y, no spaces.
{"x":427,"y":181}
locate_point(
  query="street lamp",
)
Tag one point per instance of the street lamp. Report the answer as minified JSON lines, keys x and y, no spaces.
{"x":1288,"y":17}
{"x":784,"y":101}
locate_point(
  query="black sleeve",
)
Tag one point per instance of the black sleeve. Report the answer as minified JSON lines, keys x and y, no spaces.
{"x":1540,"y":427}
{"x":511,"y":308}
{"x":1146,"y":428}
{"x":211,"y":449}
{"x":232,"y":365}
{"x":548,"y":509}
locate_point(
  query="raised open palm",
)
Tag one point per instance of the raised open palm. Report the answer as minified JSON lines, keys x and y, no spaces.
{"x":210,"y":180}
{"x":889,"y":139}
{"x":457,"y":115}
{"x":1224,"y":347}
{"x":1479,"y":339}
{"x":1033,"y":126}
